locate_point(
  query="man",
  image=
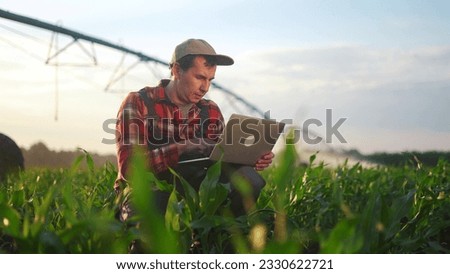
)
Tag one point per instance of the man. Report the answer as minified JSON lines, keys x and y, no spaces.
{"x":172,"y":122}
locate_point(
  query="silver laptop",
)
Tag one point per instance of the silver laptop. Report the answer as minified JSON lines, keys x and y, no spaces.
{"x":244,"y":140}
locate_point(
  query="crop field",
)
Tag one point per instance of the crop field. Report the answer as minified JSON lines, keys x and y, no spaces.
{"x":304,"y":208}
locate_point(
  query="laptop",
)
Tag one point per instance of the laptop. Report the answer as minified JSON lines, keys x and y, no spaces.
{"x":244,"y":140}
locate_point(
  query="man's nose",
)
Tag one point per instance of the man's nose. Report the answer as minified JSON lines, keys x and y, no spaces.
{"x":205,"y":86}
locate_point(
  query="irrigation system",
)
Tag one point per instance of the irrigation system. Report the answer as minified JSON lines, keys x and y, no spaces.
{"x":142,"y":57}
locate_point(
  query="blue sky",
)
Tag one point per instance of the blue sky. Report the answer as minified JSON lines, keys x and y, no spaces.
{"x":382,"y":65}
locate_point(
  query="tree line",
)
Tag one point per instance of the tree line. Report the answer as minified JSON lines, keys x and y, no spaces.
{"x":427,"y":158}
{"x":40,"y":156}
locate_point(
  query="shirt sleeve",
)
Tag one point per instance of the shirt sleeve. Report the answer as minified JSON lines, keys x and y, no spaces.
{"x":132,"y":133}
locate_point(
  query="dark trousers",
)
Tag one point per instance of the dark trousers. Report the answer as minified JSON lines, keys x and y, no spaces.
{"x":194,"y":173}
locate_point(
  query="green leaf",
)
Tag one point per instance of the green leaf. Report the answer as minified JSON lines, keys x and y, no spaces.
{"x":89,"y":160}
{"x":172,"y":216}
{"x":76,"y":163}
{"x":155,"y":234}
{"x":190,"y":194}
{"x":9,"y":220}
{"x":42,"y":211}
{"x":343,"y":239}
{"x":212,"y":194}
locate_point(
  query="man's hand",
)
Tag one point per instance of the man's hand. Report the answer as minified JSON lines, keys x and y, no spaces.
{"x":264,"y":161}
{"x":196,"y":146}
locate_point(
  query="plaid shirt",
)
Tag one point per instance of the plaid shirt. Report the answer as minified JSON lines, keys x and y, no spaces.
{"x":158,"y":136}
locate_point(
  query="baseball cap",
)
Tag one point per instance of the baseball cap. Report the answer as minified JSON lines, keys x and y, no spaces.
{"x":199,"y":47}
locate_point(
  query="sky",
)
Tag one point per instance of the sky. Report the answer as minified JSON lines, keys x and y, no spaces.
{"x":382,"y":68}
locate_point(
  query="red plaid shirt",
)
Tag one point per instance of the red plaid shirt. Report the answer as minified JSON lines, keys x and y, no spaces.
{"x":132,"y":129}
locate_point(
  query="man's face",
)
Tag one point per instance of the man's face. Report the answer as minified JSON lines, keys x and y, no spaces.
{"x":194,"y":83}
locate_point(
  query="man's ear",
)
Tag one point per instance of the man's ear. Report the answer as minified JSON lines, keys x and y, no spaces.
{"x":176,"y":70}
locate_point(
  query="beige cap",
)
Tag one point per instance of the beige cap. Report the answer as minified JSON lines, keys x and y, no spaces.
{"x":199,"y":47}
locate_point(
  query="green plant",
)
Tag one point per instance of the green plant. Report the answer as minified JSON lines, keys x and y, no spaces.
{"x":304,"y":208}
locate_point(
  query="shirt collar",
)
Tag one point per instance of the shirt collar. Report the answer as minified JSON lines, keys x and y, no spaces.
{"x":161,"y":95}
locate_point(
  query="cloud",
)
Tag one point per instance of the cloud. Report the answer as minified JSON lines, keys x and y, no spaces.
{"x":375,"y":88}
{"x":349,"y":68}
